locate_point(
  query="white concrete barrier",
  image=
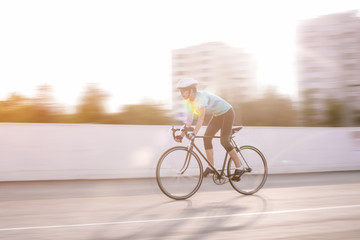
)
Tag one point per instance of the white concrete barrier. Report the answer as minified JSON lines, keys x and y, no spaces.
{"x":89,"y":151}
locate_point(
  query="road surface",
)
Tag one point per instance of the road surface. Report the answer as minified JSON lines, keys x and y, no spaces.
{"x":290,"y":206}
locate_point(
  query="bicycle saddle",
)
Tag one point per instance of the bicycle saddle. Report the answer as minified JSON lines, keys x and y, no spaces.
{"x":235,"y":130}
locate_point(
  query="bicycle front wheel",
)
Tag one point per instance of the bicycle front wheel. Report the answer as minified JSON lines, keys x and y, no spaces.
{"x":179,"y":173}
{"x":255,"y":174}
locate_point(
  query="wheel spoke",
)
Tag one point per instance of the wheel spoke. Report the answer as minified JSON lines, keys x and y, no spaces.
{"x":179,"y":174}
{"x":255,"y":171}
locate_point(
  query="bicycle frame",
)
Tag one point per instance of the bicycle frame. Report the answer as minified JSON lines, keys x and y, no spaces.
{"x":193,"y":145}
{"x":172,"y":185}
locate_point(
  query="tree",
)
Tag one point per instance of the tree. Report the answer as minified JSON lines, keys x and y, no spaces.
{"x":44,"y":109}
{"x":333,"y":113}
{"x":16,"y":109}
{"x":357,"y":118}
{"x":270,"y":110}
{"x":308,"y":110}
{"x":151,"y":114}
{"x":92,"y":106}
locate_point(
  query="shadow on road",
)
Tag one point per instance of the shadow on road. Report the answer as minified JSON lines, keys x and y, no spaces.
{"x":204,"y":220}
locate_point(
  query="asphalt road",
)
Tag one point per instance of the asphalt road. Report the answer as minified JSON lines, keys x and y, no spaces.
{"x":296,"y":206}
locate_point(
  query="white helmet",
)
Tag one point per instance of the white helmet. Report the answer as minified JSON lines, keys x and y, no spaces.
{"x":187,"y":83}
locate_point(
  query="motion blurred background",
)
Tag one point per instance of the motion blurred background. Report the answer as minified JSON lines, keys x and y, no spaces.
{"x":84,"y":82}
{"x":279,"y":63}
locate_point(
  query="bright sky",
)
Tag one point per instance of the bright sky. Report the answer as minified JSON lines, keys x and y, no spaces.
{"x":125,"y":46}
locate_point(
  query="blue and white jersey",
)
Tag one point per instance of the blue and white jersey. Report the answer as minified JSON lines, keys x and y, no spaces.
{"x":213,"y":104}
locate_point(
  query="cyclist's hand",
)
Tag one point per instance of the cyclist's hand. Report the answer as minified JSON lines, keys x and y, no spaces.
{"x":190,"y":136}
{"x":178,"y":138}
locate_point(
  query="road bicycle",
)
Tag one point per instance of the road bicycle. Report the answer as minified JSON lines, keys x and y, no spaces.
{"x":179,"y":171}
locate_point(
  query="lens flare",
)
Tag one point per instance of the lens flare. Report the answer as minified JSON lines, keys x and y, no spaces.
{"x":192,"y":108}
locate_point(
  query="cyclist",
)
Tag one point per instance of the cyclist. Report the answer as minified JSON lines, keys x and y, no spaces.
{"x":198,"y":104}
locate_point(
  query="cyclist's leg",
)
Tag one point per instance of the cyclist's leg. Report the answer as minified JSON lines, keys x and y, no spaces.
{"x":226,"y":129}
{"x":213,"y":127}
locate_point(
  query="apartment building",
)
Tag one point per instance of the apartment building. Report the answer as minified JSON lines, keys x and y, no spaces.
{"x":223,"y":70}
{"x":329,"y":63}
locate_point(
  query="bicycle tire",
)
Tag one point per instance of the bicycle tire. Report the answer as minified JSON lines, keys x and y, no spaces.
{"x":251,"y":181}
{"x":177,"y":178}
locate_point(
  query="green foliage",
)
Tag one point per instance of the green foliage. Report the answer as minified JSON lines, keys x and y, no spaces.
{"x":333,"y":113}
{"x":328,"y":113}
{"x":270,"y":110}
{"x":141,"y":114}
{"x":92,"y":106}
{"x":357,"y":118}
{"x":20,"y":109}
{"x":90,"y":110}
{"x":309,"y":113}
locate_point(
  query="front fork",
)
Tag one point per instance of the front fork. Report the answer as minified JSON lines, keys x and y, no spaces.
{"x":187,"y":160}
{"x":242,"y":158}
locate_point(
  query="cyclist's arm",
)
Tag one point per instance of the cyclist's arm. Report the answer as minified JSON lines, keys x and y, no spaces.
{"x":199,"y":123}
{"x":189,"y":119}
{"x":188,"y":123}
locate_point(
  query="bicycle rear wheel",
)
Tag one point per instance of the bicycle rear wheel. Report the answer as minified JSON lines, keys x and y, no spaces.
{"x":179,"y":173}
{"x":256,"y":168}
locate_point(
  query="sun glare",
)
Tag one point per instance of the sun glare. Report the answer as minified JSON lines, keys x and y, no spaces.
{"x":271,"y":40}
{"x":130,"y":55}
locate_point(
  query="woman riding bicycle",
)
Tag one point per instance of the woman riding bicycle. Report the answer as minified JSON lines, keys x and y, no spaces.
{"x":198,"y":104}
